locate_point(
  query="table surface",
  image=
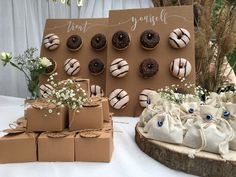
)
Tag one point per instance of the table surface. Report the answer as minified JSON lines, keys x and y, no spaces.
{"x":127,"y":160}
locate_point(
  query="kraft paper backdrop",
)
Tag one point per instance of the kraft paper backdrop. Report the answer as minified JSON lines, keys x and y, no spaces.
{"x":134,"y":21}
{"x":86,"y":29}
{"x":162,"y":20}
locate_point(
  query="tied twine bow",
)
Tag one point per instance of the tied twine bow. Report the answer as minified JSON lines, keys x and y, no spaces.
{"x":94,"y":133}
{"x":86,"y":133}
{"x":41,"y":104}
{"x":17,"y":127}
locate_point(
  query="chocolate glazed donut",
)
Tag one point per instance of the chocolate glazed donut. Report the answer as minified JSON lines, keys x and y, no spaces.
{"x":74,"y":43}
{"x":149,"y":39}
{"x":120,"y":40}
{"x":148,"y":68}
{"x":96,"y":66}
{"x":98,"y":41}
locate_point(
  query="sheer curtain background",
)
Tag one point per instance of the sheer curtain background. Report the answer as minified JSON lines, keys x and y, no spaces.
{"x":22,"y":23}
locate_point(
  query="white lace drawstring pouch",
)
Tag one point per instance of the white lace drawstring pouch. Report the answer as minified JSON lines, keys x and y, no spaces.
{"x":149,"y":112}
{"x":156,"y":98}
{"x":189,"y":110}
{"x":214,"y":100}
{"x":166,"y":127}
{"x":229,"y":114}
{"x":212,"y":134}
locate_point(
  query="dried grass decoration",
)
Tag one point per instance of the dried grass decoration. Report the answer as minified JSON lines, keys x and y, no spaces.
{"x":215,"y":39}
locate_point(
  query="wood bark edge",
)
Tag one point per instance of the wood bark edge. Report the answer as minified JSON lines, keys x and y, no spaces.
{"x":198,"y":166}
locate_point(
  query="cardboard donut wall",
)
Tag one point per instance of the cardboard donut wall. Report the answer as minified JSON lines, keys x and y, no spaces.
{"x":134,"y":22}
{"x":86,"y":29}
{"x":162,"y":20}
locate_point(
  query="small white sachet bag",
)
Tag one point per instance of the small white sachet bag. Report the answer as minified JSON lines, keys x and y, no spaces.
{"x":229,"y":114}
{"x":156,"y":107}
{"x":212,"y":134}
{"x":149,"y":112}
{"x":166,"y":127}
{"x":214,"y":100}
{"x":189,"y":110}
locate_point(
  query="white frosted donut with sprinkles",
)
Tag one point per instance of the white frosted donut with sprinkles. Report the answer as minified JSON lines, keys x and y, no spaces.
{"x":119,"y":67}
{"x":180,"y":67}
{"x":45,"y":90}
{"x":51,"y":41}
{"x":71,"y":66}
{"x":118,"y":99}
{"x":145,"y":97}
{"x":96,"y":91}
{"x":179,"y":38}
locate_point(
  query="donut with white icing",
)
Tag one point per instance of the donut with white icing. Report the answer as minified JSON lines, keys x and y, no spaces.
{"x":118,"y":99}
{"x":119,"y":67}
{"x":72,"y":66}
{"x":51,"y":41}
{"x":45,"y":90}
{"x":179,"y":38}
{"x":180,"y":67}
{"x":144,"y":97}
{"x":96,"y":90}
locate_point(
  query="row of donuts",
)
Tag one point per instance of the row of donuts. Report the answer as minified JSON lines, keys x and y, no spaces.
{"x":72,"y":66}
{"x":149,"y":39}
{"x":74,"y":42}
{"x":119,"y":67}
{"x":118,"y":98}
{"x":179,"y":67}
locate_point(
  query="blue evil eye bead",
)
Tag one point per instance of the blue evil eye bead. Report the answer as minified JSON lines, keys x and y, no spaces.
{"x":209,"y":117}
{"x":226,"y":114}
{"x":159,"y":123}
{"x":191,"y":110}
{"x":148,"y":101}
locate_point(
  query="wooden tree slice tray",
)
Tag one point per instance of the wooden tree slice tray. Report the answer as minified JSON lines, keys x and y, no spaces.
{"x":176,"y":157}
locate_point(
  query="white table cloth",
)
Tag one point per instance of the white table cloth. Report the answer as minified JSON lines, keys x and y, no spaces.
{"x":127,"y":160}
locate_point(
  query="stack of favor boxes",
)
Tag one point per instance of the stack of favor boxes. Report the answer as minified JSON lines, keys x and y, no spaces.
{"x":64,"y":135}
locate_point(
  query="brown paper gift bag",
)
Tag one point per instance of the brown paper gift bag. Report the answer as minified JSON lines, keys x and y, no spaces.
{"x":88,"y":117}
{"x":39,"y":119}
{"x":105,"y":107}
{"x":84,"y":84}
{"x":56,"y":147}
{"x":94,"y":145}
{"x":18,"y":146}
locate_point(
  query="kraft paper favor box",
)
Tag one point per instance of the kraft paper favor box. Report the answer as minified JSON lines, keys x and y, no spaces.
{"x":18,"y":147}
{"x":94,"y":148}
{"x":39,"y":120}
{"x":88,"y":117}
{"x":105,"y":107}
{"x":84,"y":84}
{"x":56,"y":147}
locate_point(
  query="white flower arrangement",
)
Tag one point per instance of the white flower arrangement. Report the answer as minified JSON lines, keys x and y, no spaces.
{"x":45,"y":62}
{"x":30,"y":65}
{"x":174,"y":94}
{"x":5,"y":57}
{"x":66,"y":93}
